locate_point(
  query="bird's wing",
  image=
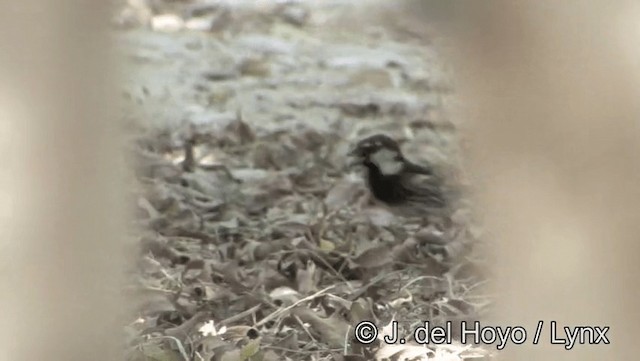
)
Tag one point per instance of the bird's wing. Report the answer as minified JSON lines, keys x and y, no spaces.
{"x":416,"y":169}
{"x":425,"y":190}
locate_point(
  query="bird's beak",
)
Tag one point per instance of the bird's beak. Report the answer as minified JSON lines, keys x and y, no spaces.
{"x":355,"y":158}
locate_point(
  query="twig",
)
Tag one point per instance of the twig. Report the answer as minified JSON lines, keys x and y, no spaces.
{"x":305,"y":329}
{"x":183,"y":352}
{"x":346,"y":338}
{"x":240,"y":315}
{"x":283,"y":310}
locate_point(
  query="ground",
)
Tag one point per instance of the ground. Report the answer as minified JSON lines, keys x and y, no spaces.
{"x":250,"y":223}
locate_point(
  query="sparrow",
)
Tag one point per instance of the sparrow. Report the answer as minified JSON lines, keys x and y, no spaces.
{"x":408,"y":189}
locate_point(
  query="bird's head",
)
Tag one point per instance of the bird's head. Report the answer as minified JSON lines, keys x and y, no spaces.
{"x":379,"y":151}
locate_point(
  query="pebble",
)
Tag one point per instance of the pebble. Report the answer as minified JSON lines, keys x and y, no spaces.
{"x":167,"y":23}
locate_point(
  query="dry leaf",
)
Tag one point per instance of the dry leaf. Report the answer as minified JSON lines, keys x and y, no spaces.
{"x":377,"y":256}
{"x":332,"y":330}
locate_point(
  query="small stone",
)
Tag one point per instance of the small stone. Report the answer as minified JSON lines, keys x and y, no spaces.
{"x":200,"y":24}
{"x":379,"y":78}
{"x":167,"y":23}
{"x":254,"y":67}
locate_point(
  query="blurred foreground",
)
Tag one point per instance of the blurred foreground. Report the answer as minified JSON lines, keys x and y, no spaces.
{"x":271,"y":98}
